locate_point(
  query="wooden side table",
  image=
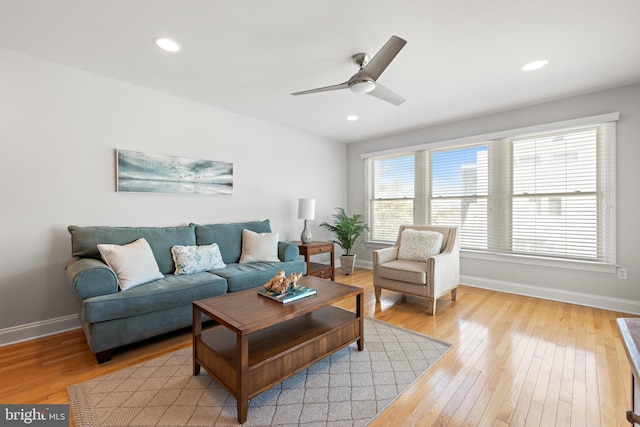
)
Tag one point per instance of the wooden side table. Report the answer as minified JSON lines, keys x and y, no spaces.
{"x":307,"y":250}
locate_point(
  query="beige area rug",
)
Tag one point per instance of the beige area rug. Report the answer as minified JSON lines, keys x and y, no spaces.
{"x":348,"y":388}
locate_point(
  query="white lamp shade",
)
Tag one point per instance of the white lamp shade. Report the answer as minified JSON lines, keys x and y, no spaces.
{"x":306,"y":208}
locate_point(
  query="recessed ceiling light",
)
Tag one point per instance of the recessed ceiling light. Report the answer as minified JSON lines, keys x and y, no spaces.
{"x":352,"y":118}
{"x":535,"y":65}
{"x":167,"y":44}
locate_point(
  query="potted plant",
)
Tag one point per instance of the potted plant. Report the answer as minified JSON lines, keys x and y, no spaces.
{"x":346,"y":229}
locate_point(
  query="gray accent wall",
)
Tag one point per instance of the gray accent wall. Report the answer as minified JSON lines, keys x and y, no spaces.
{"x":571,"y":285}
{"x":59,"y":128}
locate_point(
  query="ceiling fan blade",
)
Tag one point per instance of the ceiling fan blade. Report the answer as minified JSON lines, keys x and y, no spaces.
{"x":385,"y":94}
{"x":383,"y":58}
{"x":344,"y":85}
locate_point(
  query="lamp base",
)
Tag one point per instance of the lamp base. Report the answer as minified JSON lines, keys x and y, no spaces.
{"x":305,"y":237}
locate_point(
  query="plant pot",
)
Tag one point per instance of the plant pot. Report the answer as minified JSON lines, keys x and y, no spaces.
{"x":347,"y":263}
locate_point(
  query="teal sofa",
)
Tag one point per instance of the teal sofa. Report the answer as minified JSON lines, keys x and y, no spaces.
{"x":112,"y":318}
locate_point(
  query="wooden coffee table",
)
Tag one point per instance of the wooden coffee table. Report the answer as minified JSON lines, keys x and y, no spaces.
{"x":260,"y":342}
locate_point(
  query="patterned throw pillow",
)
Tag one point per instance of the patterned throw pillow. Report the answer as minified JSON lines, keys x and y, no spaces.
{"x":196,"y":259}
{"x":419,"y":245}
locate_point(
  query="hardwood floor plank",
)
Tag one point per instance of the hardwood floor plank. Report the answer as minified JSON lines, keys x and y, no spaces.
{"x":515,"y":361}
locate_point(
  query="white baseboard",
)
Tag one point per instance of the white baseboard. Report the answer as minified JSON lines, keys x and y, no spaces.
{"x":29,"y":331}
{"x":364,"y":264}
{"x":560,"y":295}
{"x":579,"y":298}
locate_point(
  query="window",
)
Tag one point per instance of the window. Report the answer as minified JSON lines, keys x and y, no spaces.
{"x":459,"y":192}
{"x":547,"y":193}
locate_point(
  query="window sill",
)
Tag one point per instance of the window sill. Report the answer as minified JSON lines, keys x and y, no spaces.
{"x":541,"y":262}
{"x":522,"y":259}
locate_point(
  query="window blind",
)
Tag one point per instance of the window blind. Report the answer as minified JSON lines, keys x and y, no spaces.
{"x":390,"y":195}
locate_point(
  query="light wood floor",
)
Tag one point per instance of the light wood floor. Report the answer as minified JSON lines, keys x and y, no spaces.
{"x":515,"y":361}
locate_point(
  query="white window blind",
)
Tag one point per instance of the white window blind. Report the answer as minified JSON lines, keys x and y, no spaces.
{"x":558,"y":208}
{"x":547,"y":194}
{"x":391,"y":195}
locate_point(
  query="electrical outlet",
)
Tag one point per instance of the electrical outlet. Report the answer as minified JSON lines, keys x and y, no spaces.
{"x":622,"y":273}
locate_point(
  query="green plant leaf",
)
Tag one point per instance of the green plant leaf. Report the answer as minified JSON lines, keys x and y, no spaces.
{"x":346,"y":229}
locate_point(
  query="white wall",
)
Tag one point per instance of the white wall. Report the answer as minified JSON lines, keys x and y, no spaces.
{"x":58,"y":130}
{"x":582,"y":287}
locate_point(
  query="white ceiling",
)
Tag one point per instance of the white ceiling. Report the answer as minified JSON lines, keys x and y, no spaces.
{"x":462,"y":58}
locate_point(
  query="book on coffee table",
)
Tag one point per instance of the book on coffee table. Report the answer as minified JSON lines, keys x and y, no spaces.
{"x":291,"y":295}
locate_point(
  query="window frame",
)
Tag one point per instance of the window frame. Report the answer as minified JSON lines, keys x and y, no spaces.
{"x":499,"y":143}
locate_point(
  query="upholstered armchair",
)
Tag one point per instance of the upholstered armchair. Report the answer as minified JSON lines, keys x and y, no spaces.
{"x":420,"y":263}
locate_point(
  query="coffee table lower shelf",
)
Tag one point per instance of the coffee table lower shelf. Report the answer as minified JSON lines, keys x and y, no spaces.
{"x":275,"y":353}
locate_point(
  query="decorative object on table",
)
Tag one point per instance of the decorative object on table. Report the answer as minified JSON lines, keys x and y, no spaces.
{"x":141,"y":172}
{"x":293,"y":294}
{"x":281,"y":283}
{"x":283,"y":288}
{"x":306,"y":211}
{"x":346,"y":229}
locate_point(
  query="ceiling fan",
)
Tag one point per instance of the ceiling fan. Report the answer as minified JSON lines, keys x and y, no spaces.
{"x":365,"y":80}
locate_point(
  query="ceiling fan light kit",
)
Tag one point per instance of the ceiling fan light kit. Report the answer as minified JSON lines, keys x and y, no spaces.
{"x":365,"y":80}
{"x":362,"y":86}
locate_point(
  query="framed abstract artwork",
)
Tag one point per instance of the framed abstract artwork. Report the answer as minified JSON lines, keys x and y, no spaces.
{"x":154,"y":173}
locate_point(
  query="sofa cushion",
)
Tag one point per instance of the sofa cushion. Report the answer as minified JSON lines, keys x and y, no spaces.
{"x":196,"y":259}
{"x":228,"y":236}
{"x":419,"y":245}
{"x":259,"y":247}
{"x":84,"y":241}
{"x":251,"y":275}
{"x":404,"y":271}
{"x":171,"y":291}
{"x":133,"y":264}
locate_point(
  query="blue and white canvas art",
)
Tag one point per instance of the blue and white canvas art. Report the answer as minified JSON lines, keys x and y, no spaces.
{"x":141,"y":172}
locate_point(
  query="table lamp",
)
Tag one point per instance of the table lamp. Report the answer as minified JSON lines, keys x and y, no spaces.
{"x":306,"y":211}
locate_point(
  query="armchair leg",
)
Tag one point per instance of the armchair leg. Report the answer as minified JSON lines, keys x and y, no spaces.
{"x":454,"y":291}
{"x":378,"y":292}
{"x":431,"y":307}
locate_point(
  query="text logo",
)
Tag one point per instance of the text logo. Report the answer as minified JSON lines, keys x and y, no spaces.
{"x":36,"y":415}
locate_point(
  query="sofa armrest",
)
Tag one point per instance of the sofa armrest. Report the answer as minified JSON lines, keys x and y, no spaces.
{"x":91,"y":277}
{"x":288,"y":251}
{"x":380,"y":256}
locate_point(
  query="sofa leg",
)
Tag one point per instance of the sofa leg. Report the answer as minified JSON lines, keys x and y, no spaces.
{"x":431,"y":307}
{"x":104,"y":356}
{"x":454,"y":291}
{"x":378,"y":292}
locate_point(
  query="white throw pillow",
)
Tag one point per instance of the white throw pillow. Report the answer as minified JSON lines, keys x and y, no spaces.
{"x":196,"y":259}
{"x":257,"y":247}
{"x":134,"y":264}
{"x":419,"y":245}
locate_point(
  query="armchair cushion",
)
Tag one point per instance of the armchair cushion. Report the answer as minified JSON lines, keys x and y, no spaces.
{"x":419,"y":245}
{"x":404,"y":271}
